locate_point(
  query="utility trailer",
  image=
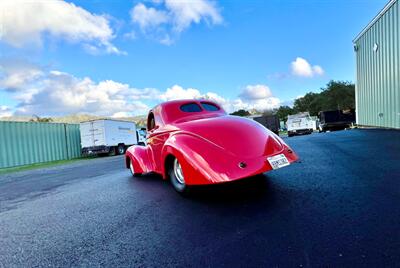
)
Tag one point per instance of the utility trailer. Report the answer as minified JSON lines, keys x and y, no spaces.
{"x":336,"y":120}
{"x":299,"y":124}
{"x":106,"y":136}
{"x":269,"y":121}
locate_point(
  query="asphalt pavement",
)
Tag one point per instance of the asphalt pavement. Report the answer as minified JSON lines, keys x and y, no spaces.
{"x":339,"y":206}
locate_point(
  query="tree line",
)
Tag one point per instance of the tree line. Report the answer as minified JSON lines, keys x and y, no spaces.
{"x":336,"y":95}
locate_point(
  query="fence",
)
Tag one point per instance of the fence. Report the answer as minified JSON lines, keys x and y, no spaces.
{"x":24,"y":143}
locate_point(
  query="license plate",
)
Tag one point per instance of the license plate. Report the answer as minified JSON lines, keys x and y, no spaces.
{"x":278,"y":161}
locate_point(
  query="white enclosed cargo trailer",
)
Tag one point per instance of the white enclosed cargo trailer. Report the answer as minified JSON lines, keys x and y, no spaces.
{"x":107,"y":136}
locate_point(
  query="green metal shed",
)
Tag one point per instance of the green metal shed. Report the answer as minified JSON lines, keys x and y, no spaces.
{"x":377,"y":50}
{"x":25,"y":143}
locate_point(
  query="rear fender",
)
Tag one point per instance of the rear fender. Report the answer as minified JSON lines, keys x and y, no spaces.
{"x":140,"y":158}
{"x":192,"y":152}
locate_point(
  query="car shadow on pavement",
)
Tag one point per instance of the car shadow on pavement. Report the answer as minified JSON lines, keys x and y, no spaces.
{"x":245,"y":190}
{"x":252,"y":190}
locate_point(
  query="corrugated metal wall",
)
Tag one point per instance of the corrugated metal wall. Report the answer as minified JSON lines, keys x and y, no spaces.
{"x":23,"y":143}
{"x":378,"y":72}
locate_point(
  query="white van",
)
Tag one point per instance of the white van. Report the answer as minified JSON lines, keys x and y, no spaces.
{"x":299,"y":124}
{"x":107,"y":136}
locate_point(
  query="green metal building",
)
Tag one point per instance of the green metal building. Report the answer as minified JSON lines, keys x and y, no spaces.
{"x":25,"y":143}
{"x":377,"y":50}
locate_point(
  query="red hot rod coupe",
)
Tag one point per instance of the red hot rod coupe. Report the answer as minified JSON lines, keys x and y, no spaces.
{"x":194,"y":142}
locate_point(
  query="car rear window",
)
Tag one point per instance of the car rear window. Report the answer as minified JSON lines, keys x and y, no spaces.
{"x":209,"y":106}
{"x":190,"y":107}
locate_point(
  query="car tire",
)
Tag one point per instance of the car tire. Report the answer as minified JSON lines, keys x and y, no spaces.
{"x":121,"y":149}
{"x":177,"y":178}
{"x":132,"y":169}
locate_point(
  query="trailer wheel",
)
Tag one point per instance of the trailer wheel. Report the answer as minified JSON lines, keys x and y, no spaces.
{"x":121,"y":149}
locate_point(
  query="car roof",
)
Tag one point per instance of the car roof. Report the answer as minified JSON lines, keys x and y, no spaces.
{"x":170,"y":111}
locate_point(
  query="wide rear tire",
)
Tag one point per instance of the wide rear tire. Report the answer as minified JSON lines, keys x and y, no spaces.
{"x":177,"y":178}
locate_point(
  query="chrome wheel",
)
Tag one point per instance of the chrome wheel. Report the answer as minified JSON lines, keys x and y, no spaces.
{"x":178,"y":172}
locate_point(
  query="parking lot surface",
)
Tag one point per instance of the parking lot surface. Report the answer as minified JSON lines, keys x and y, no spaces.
{"x":338,"y":206}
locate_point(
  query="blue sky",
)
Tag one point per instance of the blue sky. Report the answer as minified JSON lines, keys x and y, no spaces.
{"x":118,"y":58}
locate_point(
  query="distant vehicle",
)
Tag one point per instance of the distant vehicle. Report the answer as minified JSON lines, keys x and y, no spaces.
{"x":314,"y":122}
{"x":107,"y":136}
{"x":269,"y":121}
{"x":299,"y":124}
{"x":194,"y":142}
{"x":141,"y":136}
{"x":336,"y":120}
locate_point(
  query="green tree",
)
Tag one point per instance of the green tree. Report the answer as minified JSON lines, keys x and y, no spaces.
{"x":311,"y":102}
{"x":336,"y":95}
{"x":283,"y":111}
{"x":241,"y":112}
{"x":41,"y":119}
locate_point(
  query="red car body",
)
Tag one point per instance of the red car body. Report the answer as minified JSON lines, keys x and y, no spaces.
{"x":211,"y":146}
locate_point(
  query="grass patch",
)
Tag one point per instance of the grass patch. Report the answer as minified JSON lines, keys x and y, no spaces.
{"x":283,"y":133}
{"x":41,"y":165}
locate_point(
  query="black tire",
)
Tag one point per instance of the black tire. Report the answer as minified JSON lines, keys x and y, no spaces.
{"x":120,"y":149}
{"x":178,"y":183}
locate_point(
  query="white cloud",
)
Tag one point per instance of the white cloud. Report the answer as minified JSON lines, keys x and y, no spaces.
{"x":301,"y":67}
{"x":171,"y":17}
{"x":63,"y":93}
{"x":318,"y":70}
{"x":184,"y":13}
{"x":148,"y":17}
{"x":5,"y":111}
{"x":15,"y":74}
{"x":177,"y":92}
{"x":57,"y":93}
{"x":29,"y":22}
{"x":120,"y":114}
{"x":53,"y":93}
{"x":130,"y":35}
{"x":259,"y":105}
{"x":254,"y":97}
{"x":255,"y":92}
